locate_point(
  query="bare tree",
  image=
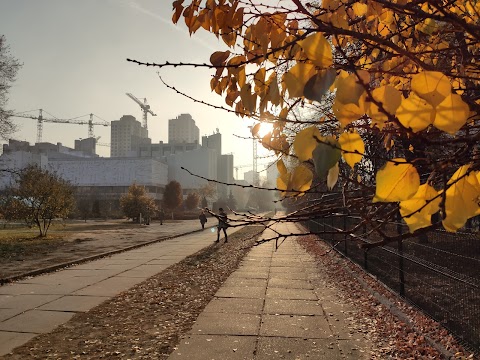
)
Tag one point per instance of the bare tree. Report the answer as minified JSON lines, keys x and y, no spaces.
{"x":9,"y":67}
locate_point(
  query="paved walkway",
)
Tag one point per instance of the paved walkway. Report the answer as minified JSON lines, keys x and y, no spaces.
{"x":275,"y":306}
{"x":39,"y":304}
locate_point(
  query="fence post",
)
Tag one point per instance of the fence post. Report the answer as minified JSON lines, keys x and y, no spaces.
{"x":345,"y":248}
{"x":401,"y":273}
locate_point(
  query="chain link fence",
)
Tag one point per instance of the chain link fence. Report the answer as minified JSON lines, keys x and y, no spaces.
{"x":438,"y":272}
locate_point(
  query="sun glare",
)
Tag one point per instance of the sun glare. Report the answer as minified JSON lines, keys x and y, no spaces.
{"x":265,"y":128}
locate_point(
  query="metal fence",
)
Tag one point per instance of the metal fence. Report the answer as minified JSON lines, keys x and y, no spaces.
{"x":439,"y":272}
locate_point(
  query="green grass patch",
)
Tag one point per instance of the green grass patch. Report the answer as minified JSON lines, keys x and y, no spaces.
{"x":15,"y":245}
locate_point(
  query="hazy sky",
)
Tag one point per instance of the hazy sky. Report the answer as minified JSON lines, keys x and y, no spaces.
{"x":74,"y":55}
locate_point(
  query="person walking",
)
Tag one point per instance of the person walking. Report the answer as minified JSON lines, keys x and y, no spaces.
{"x":161,"y":216}
{"x":203,"y":219}
{"x":222,"y":224}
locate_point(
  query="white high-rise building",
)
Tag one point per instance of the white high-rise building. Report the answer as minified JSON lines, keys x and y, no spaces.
{"x":182,"y":129}
{"x":127,"y":135}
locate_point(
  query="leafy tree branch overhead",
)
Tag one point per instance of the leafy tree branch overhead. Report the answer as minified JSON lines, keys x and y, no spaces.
{"x":392,"y":87}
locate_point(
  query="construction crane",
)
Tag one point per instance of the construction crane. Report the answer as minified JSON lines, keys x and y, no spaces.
{"x":40,"y":120}
{"x":145,"y":108}
{"x":240,"y":167}
{"x":256,"y":178}
{"x":248,"y":166}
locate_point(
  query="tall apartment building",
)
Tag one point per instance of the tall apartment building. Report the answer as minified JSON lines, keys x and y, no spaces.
{"x":183,"y":129}
{"x":213,"y":141}
{"x":127,"y":135}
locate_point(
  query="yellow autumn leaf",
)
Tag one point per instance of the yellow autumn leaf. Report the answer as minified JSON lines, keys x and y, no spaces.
{"x":301,"y":179}
{"x":317,"y":49}
{"x":415,"y":113}
{"x":282,"y":169}
{"x":305,"y":142}
{"x":273,"y":94}
{"x":282,"y":183}
{"x":461,"y":199}
{"x":389,"y":98}
{"x":350,"y":88}
{"x":352,"y":147}
{"x":346,"y":113}
{"x":452,"y":114}
{"x":432,"y":86}
{"x":332,"y":176}
{"x":296,"y":78}
{"x":360,"y":9}
{"x":218,"y":58}
{"x":397,"y":180}
{"x":416,"y":212}
{"x":259,"y":80}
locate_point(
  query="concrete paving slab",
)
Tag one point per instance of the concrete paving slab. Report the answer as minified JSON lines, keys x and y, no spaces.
{"x":226,"y":324}
{"x":292,"y":307}
{"x":234,"y":306}
{"x":92,"y":265}
{"x":290,"y":294}
{"x":312,"y":327}
{"x":9,"y":313}
{"x":248,"y":275}
{"x":175,"y":257}
{"x":74,"y":272}
{"x":36,"y":321}
{"x":109,"y":287}
{"x":74,"y":303}
{"x":215,"y":347}
{"x":67,"y":286}
{"x":273,"y":348}
{"x":286,"y":269}
{"x":264,"y":271}
{"x":26,"y":302}
{"x":289,"y":283}
{"x":160,"y":262}
{"x":48,"y":279}
{"x":10,"y":340}
{"x":242,"y":282}
{"x":261,"y":258}
{"x":3,"y":299}
{"x":293,"y":275}
{"x":251,"y":292}
{"x":253,"y":267}
{"x":286,"y":262}
{"x":120,"y":267}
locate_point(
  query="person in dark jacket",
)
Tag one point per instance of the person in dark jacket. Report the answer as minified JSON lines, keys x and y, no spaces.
{"x":203,"y":219}
{"x":222,"y":224}
{"x":161,"y":216}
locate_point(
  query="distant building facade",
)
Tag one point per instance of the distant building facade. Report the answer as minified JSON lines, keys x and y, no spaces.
{"x":87,"y":146}
{"x":17,"y":160}
{"x":182,"y":129}
{"x":127,"y":135}
{"x":213,"y":141}
{"x":272,"y":175}
{"x":52,"y":150}
{"x":133,"y":159}
{"x":201,"y":161}
{"x":162,"y":149}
